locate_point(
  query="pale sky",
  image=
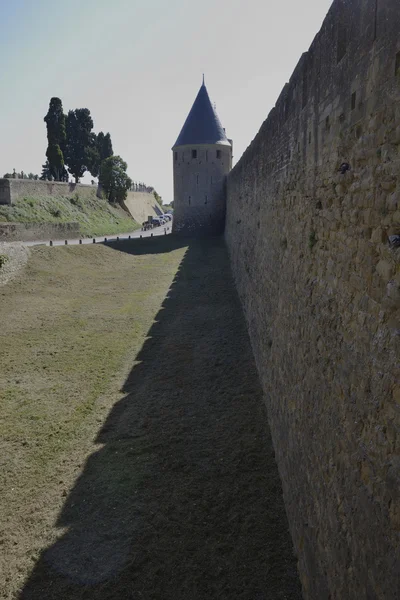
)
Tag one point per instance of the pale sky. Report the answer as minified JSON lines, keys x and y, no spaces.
{"x":138,"y":65}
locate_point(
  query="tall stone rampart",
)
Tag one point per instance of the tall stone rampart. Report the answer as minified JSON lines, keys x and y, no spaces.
{"x":314,"y":255}
{"x":142,"y":205}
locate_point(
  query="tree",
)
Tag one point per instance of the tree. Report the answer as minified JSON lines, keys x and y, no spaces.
{"x":56,"y":136}
{"x":104,"y":146}
{"x":93,"y":156}
{"x":55,"y":159}
{"x":157,"y":197}
{"x":100,"y":149}
{"x":114,"y":179}
{"x":46,"y":172}
{"x":78,"y":154}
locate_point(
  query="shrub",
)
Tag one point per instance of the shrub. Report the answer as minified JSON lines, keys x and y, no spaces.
{"x":76,"y":201}
{"x":3,"y":260}
{"x":56,"y":212}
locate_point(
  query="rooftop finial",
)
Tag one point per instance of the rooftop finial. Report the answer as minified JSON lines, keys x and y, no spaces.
{"x":203,"y":79}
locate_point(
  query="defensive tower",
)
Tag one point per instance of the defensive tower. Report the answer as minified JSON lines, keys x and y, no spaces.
{"x":202,"y":157}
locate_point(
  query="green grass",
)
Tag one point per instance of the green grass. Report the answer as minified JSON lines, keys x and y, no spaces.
{"x":94,"y":215}
{"x":68,"y":325}
{"x":134,"y":447}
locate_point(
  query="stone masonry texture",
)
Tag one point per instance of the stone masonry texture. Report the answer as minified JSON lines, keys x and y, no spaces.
{"x":199,"y":187}
{"x":12,"y":190}
{"x":29,"y":232}
{"x":318,"y":272}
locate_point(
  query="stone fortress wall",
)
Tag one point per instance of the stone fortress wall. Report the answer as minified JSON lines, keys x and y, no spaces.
{"x":140,"y":205}
{"x":12,"y":190}
{"x":314,"y":256}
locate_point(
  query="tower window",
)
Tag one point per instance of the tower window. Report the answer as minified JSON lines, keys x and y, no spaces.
{"x":194,"y":153}
{"x":197,"y":179}
{"x":190,"y":198}
{"x":176,"y":156}
{"x":206,"y":199}
{"x":218,"y":153}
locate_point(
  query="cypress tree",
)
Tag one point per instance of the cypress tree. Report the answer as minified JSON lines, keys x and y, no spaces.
{"x":56,"y":137}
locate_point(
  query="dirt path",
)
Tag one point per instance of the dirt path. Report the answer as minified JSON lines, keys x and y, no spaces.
{"x":180,"y":499}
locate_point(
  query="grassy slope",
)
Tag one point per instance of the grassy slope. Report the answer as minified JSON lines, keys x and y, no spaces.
{"x":95,"y":216}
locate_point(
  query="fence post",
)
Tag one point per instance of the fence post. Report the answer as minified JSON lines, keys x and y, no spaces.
{"x":51,"y":242}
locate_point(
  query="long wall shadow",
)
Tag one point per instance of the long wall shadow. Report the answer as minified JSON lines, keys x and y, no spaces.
{"x":183,"y":500}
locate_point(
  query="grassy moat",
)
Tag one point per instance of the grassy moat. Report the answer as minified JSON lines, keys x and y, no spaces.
{"x":135,"y":451}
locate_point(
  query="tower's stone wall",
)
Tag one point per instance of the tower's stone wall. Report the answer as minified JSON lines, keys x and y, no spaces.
{"x":199,"y":187}
{"x":318,"y":272}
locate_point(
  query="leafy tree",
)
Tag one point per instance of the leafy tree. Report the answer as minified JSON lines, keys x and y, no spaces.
{"x":56,"y":136}
{"x":78,"y":155}
{"x":157,"y":197}
{"x":114,"y":179}
{"x":55,"y":159}
{"x":93,"y":156}
{"x":46,"y":172}
{"x":104,"y":146}
{"x":100,"y":149}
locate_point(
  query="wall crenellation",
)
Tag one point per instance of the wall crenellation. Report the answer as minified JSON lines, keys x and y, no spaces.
{"x":319,"y":281}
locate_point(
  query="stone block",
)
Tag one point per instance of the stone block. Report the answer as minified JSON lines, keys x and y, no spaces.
{"x":384,"y":269}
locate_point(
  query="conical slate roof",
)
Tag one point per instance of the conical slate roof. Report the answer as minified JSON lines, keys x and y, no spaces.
{"x":202,"y":125}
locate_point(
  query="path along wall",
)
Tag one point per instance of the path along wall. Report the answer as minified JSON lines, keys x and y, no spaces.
{"x":320,"y":286}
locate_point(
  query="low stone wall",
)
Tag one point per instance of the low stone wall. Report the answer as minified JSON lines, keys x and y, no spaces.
{"x":30,"y":232}
{"x":12,"y":190}
{"x":140,"y":205}
{"x":313,"y":229}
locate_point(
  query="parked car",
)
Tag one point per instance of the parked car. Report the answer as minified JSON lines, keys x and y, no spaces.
{"x":156,"y":221}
